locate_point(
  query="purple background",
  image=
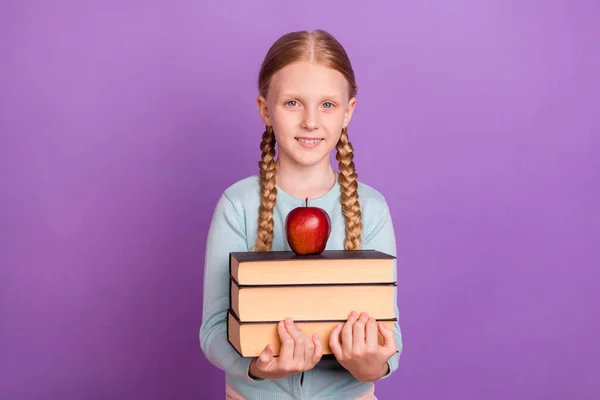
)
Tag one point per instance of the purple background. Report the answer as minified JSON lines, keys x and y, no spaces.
{"x":121,"y":122}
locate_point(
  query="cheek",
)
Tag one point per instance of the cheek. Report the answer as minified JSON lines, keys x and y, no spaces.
{"x":334,"y":123}
{"x":283,"y":119}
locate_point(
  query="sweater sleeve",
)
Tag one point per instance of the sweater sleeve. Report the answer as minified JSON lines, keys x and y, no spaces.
{"x":381,"y":237}
{"x":226,"y":234}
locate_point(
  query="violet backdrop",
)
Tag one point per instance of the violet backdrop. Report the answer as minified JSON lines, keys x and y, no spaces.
{"x":121,"y":123}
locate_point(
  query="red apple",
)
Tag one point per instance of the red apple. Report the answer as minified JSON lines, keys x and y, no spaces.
{"x":307,"y":229}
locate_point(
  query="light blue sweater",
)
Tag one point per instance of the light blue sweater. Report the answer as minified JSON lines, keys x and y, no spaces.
{"x":234,"y":228}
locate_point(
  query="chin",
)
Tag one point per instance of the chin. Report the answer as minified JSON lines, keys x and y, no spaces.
{"x":311,"y":160}
{"x":304,"y":157}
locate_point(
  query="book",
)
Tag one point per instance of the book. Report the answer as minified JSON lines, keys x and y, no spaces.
{"x":331,"y":266}
{"x":311,"y":301}
{"x":250,"y":338}
{"x":316,"y":291}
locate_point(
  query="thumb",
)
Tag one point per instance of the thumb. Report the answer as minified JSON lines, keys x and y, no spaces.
{"x":389,"y":341}
{"x":266,"y":356}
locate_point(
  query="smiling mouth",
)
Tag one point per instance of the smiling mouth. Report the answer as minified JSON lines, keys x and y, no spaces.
{"x":309,"y":141}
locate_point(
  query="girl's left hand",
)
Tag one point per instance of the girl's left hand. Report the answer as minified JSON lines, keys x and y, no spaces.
{"x":358,"y":350}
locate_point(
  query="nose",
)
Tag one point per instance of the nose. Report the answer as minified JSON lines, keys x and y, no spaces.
{"x":310,"y":119}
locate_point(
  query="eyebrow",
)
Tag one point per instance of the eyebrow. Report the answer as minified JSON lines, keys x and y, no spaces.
{"x":330,"y":97}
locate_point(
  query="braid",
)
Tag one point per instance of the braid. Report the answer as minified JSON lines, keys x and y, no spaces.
{"x":268,"y":191}
{"x":349,"y":188}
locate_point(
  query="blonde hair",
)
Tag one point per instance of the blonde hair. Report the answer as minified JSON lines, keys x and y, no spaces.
{"x":322,"y":47}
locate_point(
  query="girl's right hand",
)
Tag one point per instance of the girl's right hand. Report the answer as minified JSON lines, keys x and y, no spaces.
{"x":298,"y":353}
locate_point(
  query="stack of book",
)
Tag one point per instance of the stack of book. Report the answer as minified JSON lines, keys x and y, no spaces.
{"x":316,"y":292}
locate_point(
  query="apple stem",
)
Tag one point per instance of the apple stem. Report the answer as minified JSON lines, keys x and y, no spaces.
{"x":307,"y":202}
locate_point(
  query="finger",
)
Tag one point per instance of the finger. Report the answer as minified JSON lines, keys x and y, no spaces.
{"x":318,"y":352}
{"x":299,"y":341}
{"x":334,"y":342}
{"x":371,"y":340}
{"x":309,"y":349}
{"x":347,"y":333}
{"x":358,"y":331}
{"x":266,"y":357}
{"x":389,"y":342}
{"x":286,"y":354}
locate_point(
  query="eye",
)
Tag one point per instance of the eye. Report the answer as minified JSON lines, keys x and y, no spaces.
{"x":291,"y":103}
{"x":328,"y":104}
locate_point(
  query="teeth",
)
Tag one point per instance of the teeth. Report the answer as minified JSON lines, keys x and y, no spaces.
{"x":309,"y":141}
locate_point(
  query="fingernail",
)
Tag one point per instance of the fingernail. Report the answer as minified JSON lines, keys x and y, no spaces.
{"x":315,"y":336}
{"x":288,"y":322}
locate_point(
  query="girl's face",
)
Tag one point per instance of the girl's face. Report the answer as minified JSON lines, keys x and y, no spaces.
{"x":308,"y":106}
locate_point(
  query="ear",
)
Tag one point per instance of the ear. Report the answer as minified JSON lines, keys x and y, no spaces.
{"x":263,"y":110}
{"x":349,"y":112}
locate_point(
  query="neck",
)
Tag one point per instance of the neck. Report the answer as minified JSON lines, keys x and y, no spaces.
{"x":305,"y":181}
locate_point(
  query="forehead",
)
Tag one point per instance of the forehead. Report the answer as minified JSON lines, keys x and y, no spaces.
{"x":308,"y":78}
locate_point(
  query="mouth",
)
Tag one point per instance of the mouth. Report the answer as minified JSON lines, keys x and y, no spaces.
{"x":309,"y":142}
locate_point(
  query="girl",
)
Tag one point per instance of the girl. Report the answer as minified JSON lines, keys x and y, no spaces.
{"x":306,"y":100}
